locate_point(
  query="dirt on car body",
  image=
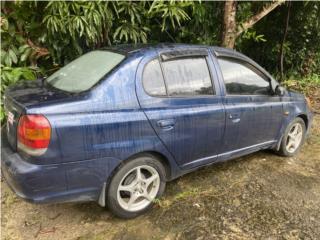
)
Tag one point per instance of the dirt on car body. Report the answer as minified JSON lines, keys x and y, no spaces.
{"x":260,"y":196}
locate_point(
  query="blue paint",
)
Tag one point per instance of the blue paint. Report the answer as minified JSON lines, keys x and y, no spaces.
{"x":93,"y":132}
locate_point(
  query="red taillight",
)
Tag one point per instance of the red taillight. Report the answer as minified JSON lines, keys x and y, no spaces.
{"x":34,"y":132}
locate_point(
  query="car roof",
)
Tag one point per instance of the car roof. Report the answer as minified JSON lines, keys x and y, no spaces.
{"x":128,"y":49}
{"x":131,"y":49}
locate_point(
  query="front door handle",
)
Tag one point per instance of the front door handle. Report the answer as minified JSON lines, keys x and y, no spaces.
{"x":167,"y":124}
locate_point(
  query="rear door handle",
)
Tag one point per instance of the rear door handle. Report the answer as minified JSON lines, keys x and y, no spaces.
{"x":235,"y":117}
{"x":167,"y":124}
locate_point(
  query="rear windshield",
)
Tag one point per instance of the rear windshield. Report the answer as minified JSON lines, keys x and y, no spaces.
{"x":85,"y":71}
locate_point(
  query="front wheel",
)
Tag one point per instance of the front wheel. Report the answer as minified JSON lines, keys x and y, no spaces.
{"x":293,"y":138}
{"x":135,"y":186}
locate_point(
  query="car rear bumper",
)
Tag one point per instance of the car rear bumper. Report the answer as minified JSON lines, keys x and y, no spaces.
{"x":13,"y":176}
{"x":68,"y":182}
{"x":32,"y":182}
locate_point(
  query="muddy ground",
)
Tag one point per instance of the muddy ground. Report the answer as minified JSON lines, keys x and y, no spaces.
{"x":260,"y":196}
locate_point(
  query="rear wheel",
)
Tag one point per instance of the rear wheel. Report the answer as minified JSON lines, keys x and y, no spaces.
{"x":135,"y":186}
{"x":293,"y":138}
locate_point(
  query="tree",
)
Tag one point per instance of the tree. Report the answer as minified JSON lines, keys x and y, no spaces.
{"x":230,"y":25}
{"x":38,"y":37}
{"x":232,"y":30}
{"x":281,"y":53}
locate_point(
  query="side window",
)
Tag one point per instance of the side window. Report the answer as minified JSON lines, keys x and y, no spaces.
{"x":240,"y":79}
{"x":187,"y":76}
{"x":152,"y":78}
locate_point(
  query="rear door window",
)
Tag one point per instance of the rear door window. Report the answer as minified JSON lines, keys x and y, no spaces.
{"x":187,"y":77}
{"x":153,"y":81}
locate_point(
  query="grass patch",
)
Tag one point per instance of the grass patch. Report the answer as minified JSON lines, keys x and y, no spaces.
{"x":307,"y":85}
{"x":165,"y":203}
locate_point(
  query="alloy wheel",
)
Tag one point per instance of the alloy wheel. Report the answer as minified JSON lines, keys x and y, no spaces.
{"x":294,"y":137}
{"x":138,"y":188}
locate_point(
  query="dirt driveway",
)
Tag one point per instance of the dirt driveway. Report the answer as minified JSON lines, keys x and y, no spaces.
{"x":260,"y":196}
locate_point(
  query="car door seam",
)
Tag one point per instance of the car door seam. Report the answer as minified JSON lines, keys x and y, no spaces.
{"x":142,"y":109}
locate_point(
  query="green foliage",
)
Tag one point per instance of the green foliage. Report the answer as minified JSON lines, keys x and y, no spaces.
{"x":11,"y":75}
{"x":133,"y":29}
{"x":205,"y":24}
{"x":16,"y":55}
{"x":14,"y":50}
{"x":74,"y":26}
{"x":252,"y":35}
{"x":303,"y":84}
{"x":50,"y":34}
{"x":302,"y":46}
{"x":309,"y":85}
{"x":171,"y":12}
{"x":38,"y":37}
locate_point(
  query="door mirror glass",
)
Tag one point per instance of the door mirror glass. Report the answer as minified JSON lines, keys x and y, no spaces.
{"x":279,"y":90}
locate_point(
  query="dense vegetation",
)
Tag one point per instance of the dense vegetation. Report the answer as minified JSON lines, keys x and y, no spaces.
{"x":40,"y":37}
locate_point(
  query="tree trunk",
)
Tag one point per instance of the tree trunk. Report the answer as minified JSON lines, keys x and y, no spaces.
{"x":230,"y":29}
{"x":281,"y":54}
{"x":229,"y":24}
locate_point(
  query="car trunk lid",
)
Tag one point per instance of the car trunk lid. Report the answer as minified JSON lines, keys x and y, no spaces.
{"x":13,"y":111}
{"x":19,"y":98}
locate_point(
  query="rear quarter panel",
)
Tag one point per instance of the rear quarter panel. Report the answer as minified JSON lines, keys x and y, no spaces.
{"x":94,"y":134}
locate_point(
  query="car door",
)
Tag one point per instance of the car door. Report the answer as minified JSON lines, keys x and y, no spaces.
{"x":253,"y":113}
{"x":179,"y":96}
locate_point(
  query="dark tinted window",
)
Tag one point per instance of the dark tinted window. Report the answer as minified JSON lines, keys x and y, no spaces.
{"x":188,"y":76}
{"x":153,"y":80}
{"x":241,"y":79}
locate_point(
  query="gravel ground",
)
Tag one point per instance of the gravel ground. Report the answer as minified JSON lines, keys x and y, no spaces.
{"x":260,"y":196}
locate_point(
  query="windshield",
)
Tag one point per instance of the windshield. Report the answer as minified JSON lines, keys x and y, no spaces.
{"x":85,"y":71}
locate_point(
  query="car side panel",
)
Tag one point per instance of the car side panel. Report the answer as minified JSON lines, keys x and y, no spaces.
{"x":252,"y":120}
{"x":269,"y":114}
{"x":239,"y":122}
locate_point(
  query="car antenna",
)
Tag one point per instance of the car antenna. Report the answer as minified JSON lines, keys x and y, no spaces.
{"x":167,"y":32}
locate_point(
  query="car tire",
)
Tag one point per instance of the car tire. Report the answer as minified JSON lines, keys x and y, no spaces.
{"x":294,"y":136}
{"x":135,"y":186}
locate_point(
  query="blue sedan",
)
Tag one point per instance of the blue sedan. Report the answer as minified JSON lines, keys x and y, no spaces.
{"x":116,"y":124}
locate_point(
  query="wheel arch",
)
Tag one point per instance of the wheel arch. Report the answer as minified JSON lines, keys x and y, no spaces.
{"x":159,"y":156}
{"x":304,"y":117}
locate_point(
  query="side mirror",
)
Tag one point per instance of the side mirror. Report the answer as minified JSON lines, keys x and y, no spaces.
{"x":279,"y":90}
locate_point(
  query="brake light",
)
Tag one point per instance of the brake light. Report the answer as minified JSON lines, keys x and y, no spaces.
{"x":34,"y":132}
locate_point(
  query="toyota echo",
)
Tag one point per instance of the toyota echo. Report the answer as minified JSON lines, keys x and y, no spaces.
{"x":114,"y":125}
